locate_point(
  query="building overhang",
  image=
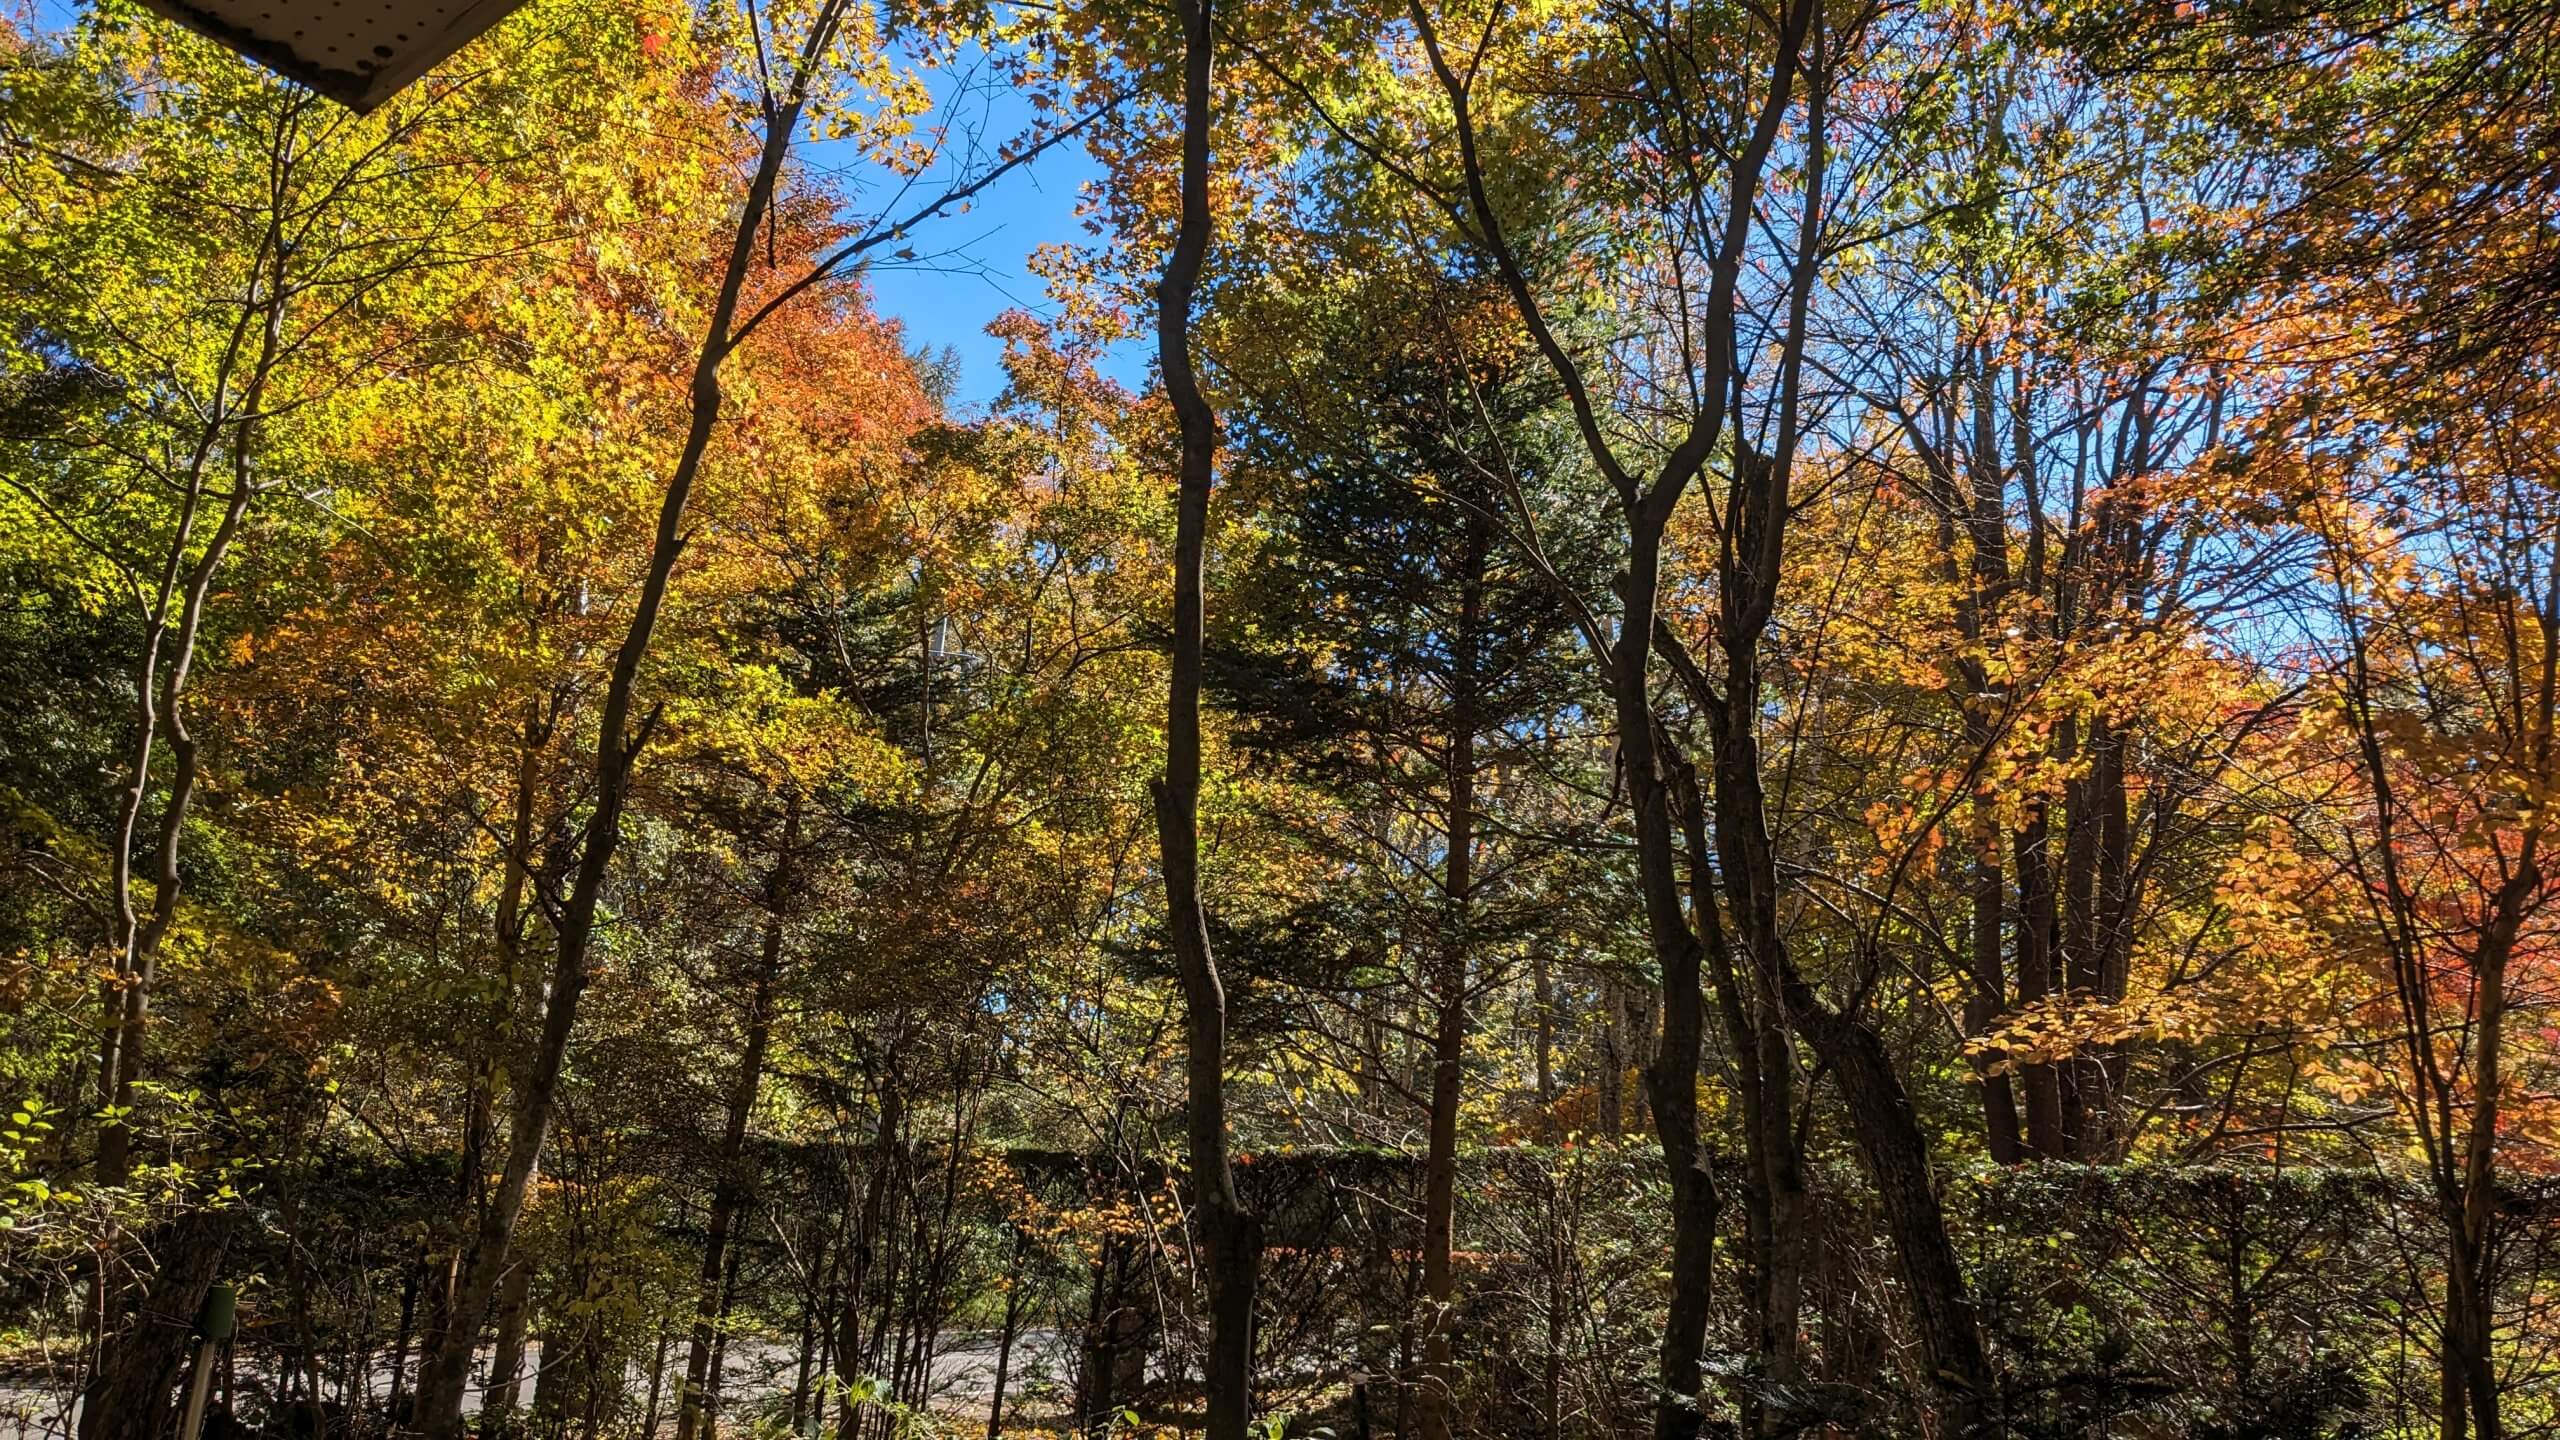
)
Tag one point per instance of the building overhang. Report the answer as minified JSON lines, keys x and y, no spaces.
{"x":356,"y":52}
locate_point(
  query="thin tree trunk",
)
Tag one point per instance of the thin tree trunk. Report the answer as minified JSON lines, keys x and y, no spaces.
{"x":2038,"y":925}
{"x":618,"y":743}
{"x":1449,"y":1036}
{"x":2078,"y":959}
{"x":1982,"y":506}
{"x":1609,"y":1099}
{"x":160,"y":695}
{"x":719,"y":1369}
{"x":730,"y":1186}
{"x":410,"y":1280}
{"x":1985,"y":998}
{"x":850,"y":1358}
{"x":812,"y":1298}
{"x":1015,"y":1287}
{"x":1229,"y":1235}
{"x":1542,"y":988}
{"x":1754,"y":518}
{"x":138,"y":964}
{"x":506,"y":1355}
{"x":657,"y":1385}
{"x":2470,"y":1286}
{"x":480,"y":1106}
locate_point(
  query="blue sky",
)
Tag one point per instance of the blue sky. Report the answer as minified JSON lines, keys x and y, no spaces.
{"x":947,"y":299}
{"x":971,"y":267}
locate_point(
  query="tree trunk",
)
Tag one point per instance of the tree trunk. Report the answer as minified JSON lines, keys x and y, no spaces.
{"x":1449,"y":1035}
{"x":618,"y":743}
{"x":1672,"y":1079}
{"x":850,"y":1356}
{"x":657,"y":1386}
{"x":506,"y":1356}
{"x":730,"y":1185}
{"x":1542,"y":988}
{"x":1896,"y":1154}
{"x":410,"y":1283}
{"x":2038,"y":924}
{"x":718,"y":1372}
{"x":1015,"y":1287}
{"x":160,"y":695}
{"x":1229,"y":1236}
{"x":1985,"y":998}
{"x":132,"y":1392}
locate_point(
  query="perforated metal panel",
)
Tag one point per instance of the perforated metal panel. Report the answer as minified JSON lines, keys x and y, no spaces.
{"x":357,"y":52}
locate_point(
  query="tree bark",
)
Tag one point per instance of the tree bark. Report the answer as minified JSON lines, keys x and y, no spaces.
{"x":498,"y":1401}
{"x":730,"y":1185}
{"x":618,"y":743}
{"x":132,"y":1394}
{"x":1449,"y":1035}
{"x":1229,"y":1235}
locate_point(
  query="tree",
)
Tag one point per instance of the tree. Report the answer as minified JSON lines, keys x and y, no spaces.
{"x":1391,"y":641}
{"x":1230,"y":1236}
{"x":2438,"y":636}
{"x":813,"y":42}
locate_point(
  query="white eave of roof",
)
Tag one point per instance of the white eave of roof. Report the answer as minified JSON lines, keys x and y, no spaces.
{"x":356,"y":52}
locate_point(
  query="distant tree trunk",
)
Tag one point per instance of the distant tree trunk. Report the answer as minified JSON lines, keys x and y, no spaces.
{"x":1643,"y":1042}
{"x":730,"y":1184}
{"x":1559,"y":1256}
{"x":2110,"y":945}
{"x":2038,"y":929}
{"x":1542,"y":988}
{"x":813,"y":1287}
{"x":2077,"y":965}
{"x":1229,"y":1235}
{"x":1609,"y":1088}
{"x":1977,"y":504}
{"x":506,"y":1356}
{"x":1015,"y":1287}
{"x":868,"y":1225}
{"x":1986,"y":995}
{"x":719,"y":1368}
{"x":657,"y":1386}
{"x":1453,"y":967}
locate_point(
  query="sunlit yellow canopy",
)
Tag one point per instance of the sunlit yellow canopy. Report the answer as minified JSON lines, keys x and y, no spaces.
{"x":357,"y":52}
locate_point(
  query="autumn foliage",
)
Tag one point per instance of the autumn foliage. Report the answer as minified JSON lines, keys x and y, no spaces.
{"x":1713,"y":719}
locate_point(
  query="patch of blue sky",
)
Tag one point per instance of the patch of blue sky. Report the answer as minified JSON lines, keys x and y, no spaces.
{"x":951,"y":279}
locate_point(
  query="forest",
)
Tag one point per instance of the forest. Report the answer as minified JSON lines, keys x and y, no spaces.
{"x":1677,"y":718}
